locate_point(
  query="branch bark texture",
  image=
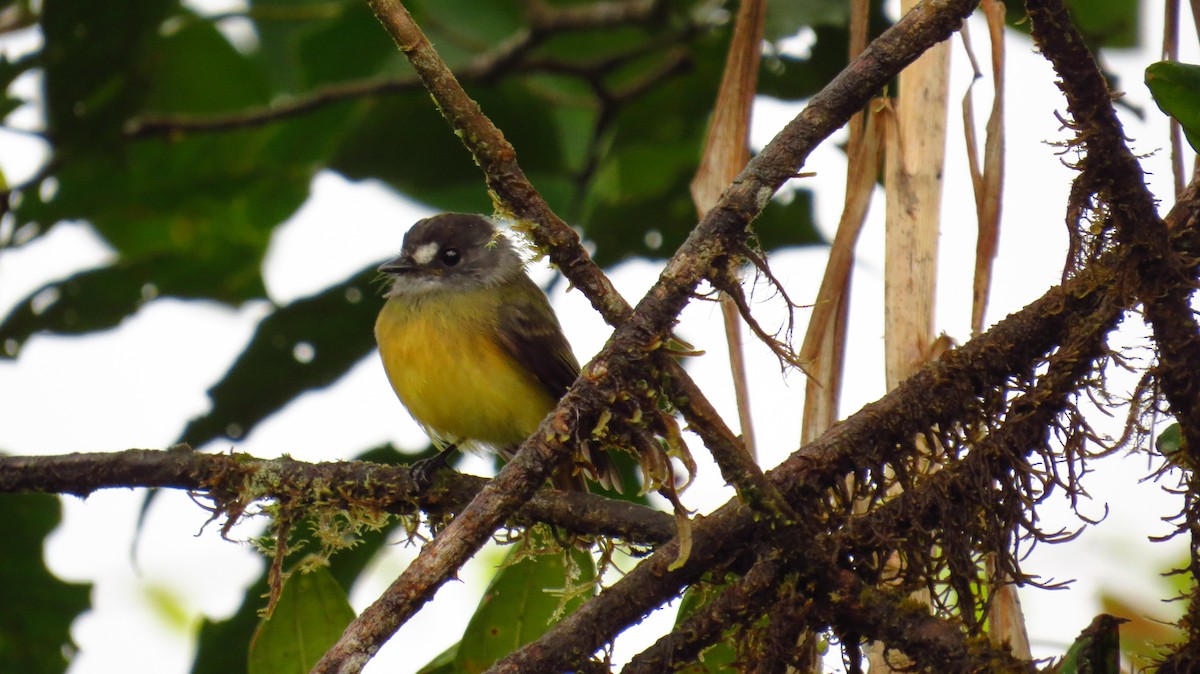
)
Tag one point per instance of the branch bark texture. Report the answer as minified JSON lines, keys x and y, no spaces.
{"x":723,"y":230}
{"x":818,"y":554}
{"x":241,"y":479}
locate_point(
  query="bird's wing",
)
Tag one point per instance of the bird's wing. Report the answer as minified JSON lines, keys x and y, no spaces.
{"x":531,"y":334}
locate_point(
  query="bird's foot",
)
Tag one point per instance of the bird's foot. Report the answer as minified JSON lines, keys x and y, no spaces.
{"x":424,"y":471}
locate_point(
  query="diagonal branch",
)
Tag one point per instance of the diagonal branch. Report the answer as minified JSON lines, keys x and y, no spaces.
{"x":950,"y":497}
{"x":937,"y":395}
{"x":722,"y":230}
{"x":1165,"y":279}
{"x":1166,"y":282}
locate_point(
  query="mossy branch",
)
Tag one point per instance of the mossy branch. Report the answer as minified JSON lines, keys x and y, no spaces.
{"x":234,"y":481}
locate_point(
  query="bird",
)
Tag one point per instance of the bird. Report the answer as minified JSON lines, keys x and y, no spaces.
{"x":472,"y":347}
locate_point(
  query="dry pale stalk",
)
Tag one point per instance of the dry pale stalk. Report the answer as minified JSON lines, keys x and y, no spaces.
{"x":916,"y":146}
{"x":824,"y":347}
{"x":1006,"y":621}
{"x":988,"y":180}
{"x":725,"y":154}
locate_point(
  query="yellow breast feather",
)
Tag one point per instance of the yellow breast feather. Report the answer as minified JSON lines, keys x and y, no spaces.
{"x":444,"y":362}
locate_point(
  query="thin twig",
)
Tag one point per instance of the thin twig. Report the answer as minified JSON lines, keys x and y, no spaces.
{"x":726,"y":151}
{"x":544,"y":20}
{"x":1111,"y":169}
{"x":933,"y":395}
{"x":724,"y":228}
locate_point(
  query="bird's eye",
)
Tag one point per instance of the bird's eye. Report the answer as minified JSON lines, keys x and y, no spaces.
{"x":450,"y":256}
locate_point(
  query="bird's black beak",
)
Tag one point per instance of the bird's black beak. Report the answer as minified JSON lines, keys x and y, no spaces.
{"x":399,"y":265}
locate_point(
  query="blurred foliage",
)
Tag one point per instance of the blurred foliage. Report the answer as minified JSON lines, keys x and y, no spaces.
{"x":1096,"y":650}
{"x":1176,"y":89}
{"x":608,"y":122}
{"x":1111,"y":24}
{"x":299,"y":347}
{"x":1104,"y":24}
{"x":36,"y":638}
{"x":721,"y":657}
{"x":1170,"y":443}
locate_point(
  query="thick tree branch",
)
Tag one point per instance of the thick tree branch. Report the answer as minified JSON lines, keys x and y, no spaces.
{"x":242,"y":478}
{"x":1165,"y":281}
{"x":878,"y":434}
{"x":721,"y":231}
{"x":966,"y":507}
{"x":736,"y":605}
{"x":936,"y":395}
{"x":1165,"y":277}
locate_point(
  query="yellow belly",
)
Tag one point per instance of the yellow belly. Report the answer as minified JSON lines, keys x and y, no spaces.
{"x":442,"y":361}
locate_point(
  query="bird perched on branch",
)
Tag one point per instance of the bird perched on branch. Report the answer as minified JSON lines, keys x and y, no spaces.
{"x":476,"y":354}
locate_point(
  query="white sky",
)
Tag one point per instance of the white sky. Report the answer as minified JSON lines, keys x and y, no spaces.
{"x":137,"y":385}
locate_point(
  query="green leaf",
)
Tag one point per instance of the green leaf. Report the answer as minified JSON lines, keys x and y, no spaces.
{"x":638,"y":202}
{"x":305,"y":345}
{"x":792,"y":79}
{"x":310,"y":616}
{"x":387,"y":141}
{"x":520,"y":604}
{"x":721,"y":657}
{"x":203,"y":194}
{"x":1176,"y":89}
{"x":1104,"y":24}
{"x":222,"y":646}
{"x":443,"y":663}
{"x":207,"y":201}
{"x":97,"y":57}
{"x":38,"y":608}
{"x":461,"y":27}
{"x":785,"y":19}
{"x":787,"y":222}
{"x":1170,"y":443}
{"x":324,"y":58}
{"x":1097,"y":650}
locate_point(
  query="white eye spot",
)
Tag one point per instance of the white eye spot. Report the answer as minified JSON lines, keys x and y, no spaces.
{"x":424,"y":254}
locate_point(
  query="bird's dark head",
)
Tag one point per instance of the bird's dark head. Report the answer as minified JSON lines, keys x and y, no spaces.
{"x":452,"y":251}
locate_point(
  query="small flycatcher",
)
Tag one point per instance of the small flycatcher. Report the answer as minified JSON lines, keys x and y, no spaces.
{"x":471,"y":345}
